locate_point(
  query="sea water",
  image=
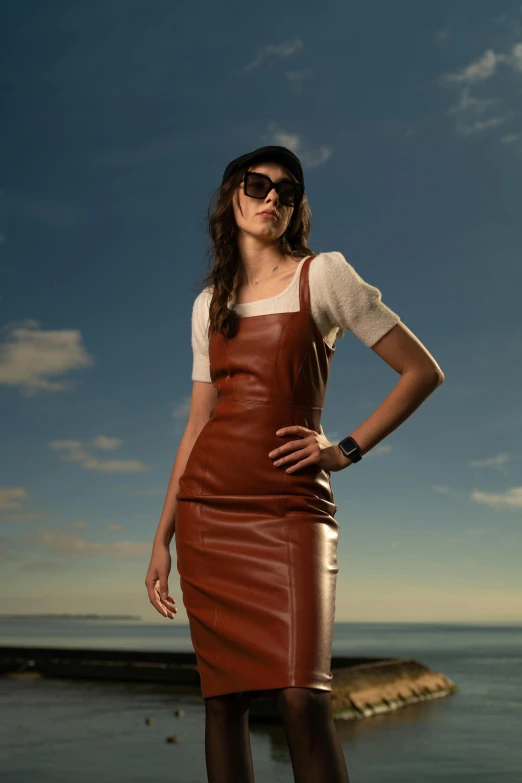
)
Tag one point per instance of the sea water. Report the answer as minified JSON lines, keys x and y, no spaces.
{"x":58,"y":731}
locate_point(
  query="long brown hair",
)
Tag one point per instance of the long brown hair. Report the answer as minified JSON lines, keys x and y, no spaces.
{"x":223,"y":255}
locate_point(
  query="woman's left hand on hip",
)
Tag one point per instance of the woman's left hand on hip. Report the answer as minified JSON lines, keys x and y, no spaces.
{"x":310,"y":447}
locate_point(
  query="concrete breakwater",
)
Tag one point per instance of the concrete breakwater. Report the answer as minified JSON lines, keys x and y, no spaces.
{"x":361,"y":687}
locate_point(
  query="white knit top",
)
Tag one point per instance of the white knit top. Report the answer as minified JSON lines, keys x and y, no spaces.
{"x":340,"y":299}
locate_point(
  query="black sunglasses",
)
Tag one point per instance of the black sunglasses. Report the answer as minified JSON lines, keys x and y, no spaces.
{"x":259,"y":186}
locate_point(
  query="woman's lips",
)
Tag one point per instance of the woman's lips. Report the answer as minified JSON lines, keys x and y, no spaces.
{"x":267,"y":214}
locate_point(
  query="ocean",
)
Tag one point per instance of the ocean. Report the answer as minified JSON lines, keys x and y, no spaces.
{"x":58,"y":731}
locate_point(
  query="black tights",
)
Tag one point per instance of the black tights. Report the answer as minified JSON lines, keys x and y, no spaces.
{"x":306,"y":714}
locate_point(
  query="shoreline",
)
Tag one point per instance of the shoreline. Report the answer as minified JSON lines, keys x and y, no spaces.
{"x":361,"y":687}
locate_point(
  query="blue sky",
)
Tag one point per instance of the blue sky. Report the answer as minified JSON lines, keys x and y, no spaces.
{"x":119,"y":119}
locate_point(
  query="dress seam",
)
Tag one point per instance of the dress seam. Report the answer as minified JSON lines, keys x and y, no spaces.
{"x":207,"y":455}
{"x":276,"y":362}
{"x":202,"y":532}
{"x":276,"y":404}
{"x":291,"y":594}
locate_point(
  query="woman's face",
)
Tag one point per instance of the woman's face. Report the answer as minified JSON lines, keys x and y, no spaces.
{"x":249,"y":219}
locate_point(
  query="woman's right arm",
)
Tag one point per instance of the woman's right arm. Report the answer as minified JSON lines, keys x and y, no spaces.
{"x":166,"y":525}
{"x":203,"y":401}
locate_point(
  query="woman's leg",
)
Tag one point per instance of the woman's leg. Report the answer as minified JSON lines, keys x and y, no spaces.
{"x":227,"y":739}
{"x":315,"y":749}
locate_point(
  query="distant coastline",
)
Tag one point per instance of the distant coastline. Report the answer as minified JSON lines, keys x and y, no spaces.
{"x":65,"y":616}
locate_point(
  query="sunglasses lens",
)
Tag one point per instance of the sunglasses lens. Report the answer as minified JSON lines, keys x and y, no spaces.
{"x":258,"y":187}
{"x":287,"y":194}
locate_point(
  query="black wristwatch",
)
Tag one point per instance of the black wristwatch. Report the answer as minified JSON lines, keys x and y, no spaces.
{"x":350,"y":449}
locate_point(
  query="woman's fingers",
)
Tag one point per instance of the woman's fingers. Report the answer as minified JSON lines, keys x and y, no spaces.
{"x":282,"y":460}
{"x":157,"y":602}
{"x":157,"y":584}
{"x":290,"y":445}
{"x":298,"y":465}
{"x":167,"y":601}
{"x":162,"y":586}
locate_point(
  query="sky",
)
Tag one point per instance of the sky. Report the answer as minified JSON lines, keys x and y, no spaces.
{"x":119,"y":120}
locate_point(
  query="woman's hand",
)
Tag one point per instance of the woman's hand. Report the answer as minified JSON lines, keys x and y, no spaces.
{"x":156,"y":581}
{"x":311,"y":448}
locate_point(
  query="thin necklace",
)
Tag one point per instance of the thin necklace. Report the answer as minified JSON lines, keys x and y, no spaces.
{"x":268,"y":275}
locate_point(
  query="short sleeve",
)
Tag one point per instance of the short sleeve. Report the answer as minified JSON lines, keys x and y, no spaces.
{"x":199,"y":339}
{"x":349,"y":302}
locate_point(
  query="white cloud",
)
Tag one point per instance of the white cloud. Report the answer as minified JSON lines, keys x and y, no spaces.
{"x":30,"y":357}
{"x":10,"y":497}
{"x":379,"y":449}
{"x":477,"y":127}
{"x":498,"y":461}
{"x":272,"y":51}
{"x":468,"y":103}
{"x":296,"y":78}
{"x":316,"y":157}
{"x":57,"y":542}
{"x":509,"y":138}
{"x":277,"y":135}
{"x":515,"y":58}
{"x":26,"y":516}
{"x":310,"y":158}
{"x":479,"y":69}
{"x":11,"y":506}
{"x":442,"y":35}
{"x":441,"y":489}
{"x":500,"y":501}
{"x":182,"y":410}
{"x":103,"y":442}
{"x":76,"y":451}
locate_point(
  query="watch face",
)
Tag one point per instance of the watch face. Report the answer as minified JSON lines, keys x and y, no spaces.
{"x":348,"y":445}
{"x":349,"y":448}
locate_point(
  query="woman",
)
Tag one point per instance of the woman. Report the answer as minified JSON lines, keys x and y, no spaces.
{"x":249,"y":500}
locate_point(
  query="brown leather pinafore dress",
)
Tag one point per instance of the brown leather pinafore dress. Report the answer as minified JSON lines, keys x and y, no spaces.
{"x":256,"y":546}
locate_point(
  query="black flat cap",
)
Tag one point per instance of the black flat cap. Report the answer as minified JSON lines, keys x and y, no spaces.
{"x":281,"y":155}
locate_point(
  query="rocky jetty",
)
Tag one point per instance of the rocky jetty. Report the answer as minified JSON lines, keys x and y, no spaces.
{"x":361,"y":687}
